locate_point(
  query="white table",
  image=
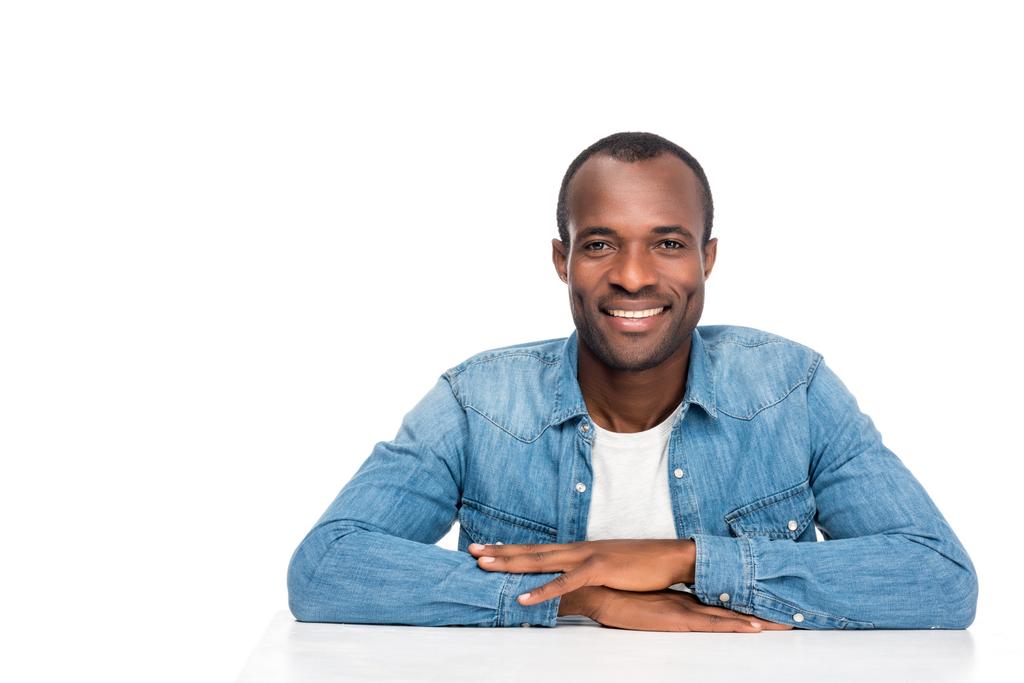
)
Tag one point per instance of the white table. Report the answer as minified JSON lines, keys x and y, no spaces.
{"x":579,"y":649}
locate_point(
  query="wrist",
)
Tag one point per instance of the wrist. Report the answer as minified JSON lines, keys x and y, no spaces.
{"x":685,"y":561}
{"x":581,"y":601}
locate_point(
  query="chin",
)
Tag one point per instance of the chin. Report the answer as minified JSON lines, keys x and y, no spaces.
{"x":619,"y":353}
{"x":624,"y":358}
{"x":634,"y":364}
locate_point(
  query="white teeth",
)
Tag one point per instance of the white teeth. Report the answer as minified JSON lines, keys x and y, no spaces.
{"x":635,"y":314}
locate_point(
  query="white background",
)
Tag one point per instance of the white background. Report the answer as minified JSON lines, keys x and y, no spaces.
{"x":241,"y":240}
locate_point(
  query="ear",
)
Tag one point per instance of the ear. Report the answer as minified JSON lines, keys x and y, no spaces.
{"x":560,"y":259}
{"x":710,"y":251}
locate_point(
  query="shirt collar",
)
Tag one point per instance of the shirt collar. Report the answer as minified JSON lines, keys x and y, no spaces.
{"x":700,"y":385}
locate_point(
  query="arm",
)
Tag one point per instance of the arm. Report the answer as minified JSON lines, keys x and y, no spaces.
{"x":661,"y":610}
{"x":890,"y":559}
{"x":371,"y":557}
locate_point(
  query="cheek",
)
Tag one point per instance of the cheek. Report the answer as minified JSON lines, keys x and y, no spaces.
{"x":695,"y":300}
{"x":580,"y":286}
{"x":578,"y":300}
{"x":689,"y":281}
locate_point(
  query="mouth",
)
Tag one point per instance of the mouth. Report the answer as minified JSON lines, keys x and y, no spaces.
{"x":635,"y":320}
{"x":647,"y":313}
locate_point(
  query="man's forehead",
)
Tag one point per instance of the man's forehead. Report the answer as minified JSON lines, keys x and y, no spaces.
{"x":660,"y":184}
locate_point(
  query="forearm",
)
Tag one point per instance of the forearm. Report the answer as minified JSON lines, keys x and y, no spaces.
{"x":890,"y":559}
{"x":892,"y":581}
{"x":344,"y":574}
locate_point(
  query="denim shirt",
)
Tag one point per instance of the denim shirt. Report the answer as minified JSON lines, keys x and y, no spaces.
{"x":769,"y":444}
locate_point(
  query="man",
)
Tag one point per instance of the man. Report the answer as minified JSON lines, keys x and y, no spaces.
{"x":644,"y":472}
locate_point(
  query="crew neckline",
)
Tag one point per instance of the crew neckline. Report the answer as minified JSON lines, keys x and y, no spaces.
{"x":658,"y":431}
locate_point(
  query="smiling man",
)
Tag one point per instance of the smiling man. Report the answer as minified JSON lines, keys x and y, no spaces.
{"x":644,"y":472}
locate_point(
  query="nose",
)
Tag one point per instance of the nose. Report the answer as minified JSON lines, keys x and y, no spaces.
{"x":633,"y":269}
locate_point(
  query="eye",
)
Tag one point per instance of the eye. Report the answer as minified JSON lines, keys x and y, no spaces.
{"x":678,"y":245}
{"x":587,"y":247}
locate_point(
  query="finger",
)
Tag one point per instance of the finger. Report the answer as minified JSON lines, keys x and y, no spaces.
{"x":774,"y":626}
{"x":506,"y":549}
{"x":560,"y":585}
{"x":722,"y":612}
{"x":721,"y":624}
{"x":538,"y":561}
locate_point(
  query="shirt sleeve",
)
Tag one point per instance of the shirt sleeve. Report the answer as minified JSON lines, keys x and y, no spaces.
{"x":372,"y":558}
{"x":890,"y":560}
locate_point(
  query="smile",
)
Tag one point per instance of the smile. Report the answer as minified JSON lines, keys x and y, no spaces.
{"x":617,"y":313}
{"x":635,"y":322}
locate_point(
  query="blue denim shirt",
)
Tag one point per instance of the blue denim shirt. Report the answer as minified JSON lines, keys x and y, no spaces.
{"x":769,"y":444}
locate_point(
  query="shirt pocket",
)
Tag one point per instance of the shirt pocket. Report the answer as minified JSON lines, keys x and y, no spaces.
{"x":785,"y":514}
{"x":481,"y":523}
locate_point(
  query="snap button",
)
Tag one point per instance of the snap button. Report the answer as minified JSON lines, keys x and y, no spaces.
{"x":798,"y":617}
{"x":581,"y":487}
{"x":724,"y":597}
{"x":792,"y":525}
{"x":524,"y":624}
{"x":679,"y":473}
{"x":585,"y":427}
{"x":498,"y":543}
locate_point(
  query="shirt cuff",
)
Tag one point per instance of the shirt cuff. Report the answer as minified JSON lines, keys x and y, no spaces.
{"x":512,"y":613}
{"x":724,"y":572}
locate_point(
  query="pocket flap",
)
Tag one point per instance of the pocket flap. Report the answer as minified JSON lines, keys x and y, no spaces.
{"x":781,"y":515}
{"x":484,"y":524}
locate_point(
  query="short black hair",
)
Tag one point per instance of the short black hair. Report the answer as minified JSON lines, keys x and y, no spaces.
{"x":632,"y":147}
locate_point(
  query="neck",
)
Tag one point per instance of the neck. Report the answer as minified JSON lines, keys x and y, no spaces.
{"x":622,"y":401}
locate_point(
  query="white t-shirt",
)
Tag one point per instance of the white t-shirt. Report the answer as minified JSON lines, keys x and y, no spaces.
{"x":629,"y":496}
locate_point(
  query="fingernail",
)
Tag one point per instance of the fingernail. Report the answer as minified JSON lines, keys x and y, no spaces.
{"x":755,"y":624}
{"x":476,"y":546}
{"x":524,"y":596}
{"x":487,"y":559}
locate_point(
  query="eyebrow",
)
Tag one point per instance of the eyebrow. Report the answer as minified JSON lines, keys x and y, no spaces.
{"x":659,"y":230}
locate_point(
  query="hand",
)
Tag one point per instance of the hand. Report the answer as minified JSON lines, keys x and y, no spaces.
{"x":626,"y":564}
{"x":665,"y":610}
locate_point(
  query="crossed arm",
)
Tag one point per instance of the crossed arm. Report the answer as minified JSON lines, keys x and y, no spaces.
{"x":891,"y":560}
{"x":619,"y":583}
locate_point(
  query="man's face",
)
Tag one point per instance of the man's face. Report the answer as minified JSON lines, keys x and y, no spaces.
{"x":635,"y":231}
